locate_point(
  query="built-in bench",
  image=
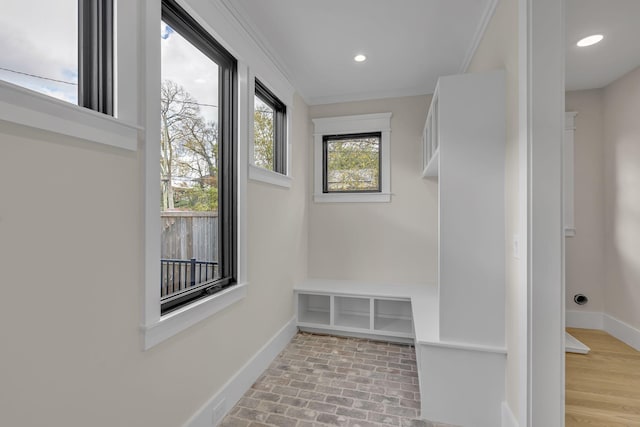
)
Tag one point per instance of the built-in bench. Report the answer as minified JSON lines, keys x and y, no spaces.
{"x":452,"y":375}
{"x":397,"y":313}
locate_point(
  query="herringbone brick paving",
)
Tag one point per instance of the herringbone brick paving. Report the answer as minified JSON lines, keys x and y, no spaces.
{"x":321,"y":380}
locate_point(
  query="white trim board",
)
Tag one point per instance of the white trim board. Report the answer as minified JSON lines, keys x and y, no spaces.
{"x":215,"y":409}
{"x":584,"y":319}
{"x":540,"y":383}
{"x":605,"y":322}
{"x":623,"y":331}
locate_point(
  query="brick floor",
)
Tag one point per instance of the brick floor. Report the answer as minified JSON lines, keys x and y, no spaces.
{"x":321,"y":380}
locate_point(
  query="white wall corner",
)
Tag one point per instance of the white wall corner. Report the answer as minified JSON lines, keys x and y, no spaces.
{"x":215,"y":409}
{"x":508,"y":419}
{"x":584,"y":319}
{"x":622,"y":331}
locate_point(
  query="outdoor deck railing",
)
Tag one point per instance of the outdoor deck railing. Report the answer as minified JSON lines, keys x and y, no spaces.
{"x":179,"y":274}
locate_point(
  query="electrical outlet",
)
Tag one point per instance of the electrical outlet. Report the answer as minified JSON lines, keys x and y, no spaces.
{"x":218,"y":413}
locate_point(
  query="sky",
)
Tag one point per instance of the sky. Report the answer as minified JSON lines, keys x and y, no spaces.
{"x":190,"y":68}
{"x":46,"y":47}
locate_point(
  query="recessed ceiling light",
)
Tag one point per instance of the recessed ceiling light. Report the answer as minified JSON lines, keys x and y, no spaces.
{"x":360,"y":58}
{"x":591,"y":40}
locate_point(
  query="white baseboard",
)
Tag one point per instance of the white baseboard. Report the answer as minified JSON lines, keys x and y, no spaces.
{"x":584,"y":319}
{"x":212,"y":412}
{"x":623,"y":331}
{"x":508,"y":419}
{"x":605,"y":322}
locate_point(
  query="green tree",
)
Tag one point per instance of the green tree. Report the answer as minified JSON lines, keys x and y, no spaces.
{"x":263,"y":136}
{"x":353,"y":164}
{"x":188,"y":148}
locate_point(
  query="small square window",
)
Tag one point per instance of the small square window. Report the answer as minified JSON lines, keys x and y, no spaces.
{"x":351,"y":163}
{"x":351,"y":159}
{"x":269,"y":131}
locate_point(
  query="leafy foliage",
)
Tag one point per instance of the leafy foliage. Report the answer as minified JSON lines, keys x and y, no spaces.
{"x":353,"y":163}
{"x":197,"y":198}
{"x":263,"y":135}
{"x":188,"y":153}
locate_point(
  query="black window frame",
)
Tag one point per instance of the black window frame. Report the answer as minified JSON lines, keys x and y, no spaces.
{"x":279,"y":126}
{"x":95,"y":55}
{"x":337,"y":137}
{"x":194,"y":33}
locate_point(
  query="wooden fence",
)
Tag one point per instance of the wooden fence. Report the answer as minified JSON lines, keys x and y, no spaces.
{"x":187,"y":235}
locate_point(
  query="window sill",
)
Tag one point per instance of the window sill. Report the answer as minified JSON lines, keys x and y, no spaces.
{"x":264,"y":175}
{"x":185,"y":317}
{"x":27,"y":108}
{"x":352,"y":198}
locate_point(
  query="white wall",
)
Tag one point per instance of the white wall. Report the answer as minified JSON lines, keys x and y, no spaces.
{"x":71,"y":260}
{"x":622,"y":198}
{"x":602,"y":259}
{"x":499,"y":50}
{"x":392,"y":242}
{"x":584,"y":256}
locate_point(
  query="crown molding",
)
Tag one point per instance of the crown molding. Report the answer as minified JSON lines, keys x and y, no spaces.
{"x":239,"y":14}
{"x":368,"y":96}
{"x":479,"y":34}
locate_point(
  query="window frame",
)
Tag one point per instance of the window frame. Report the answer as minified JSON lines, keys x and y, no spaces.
{"x":188,"y":28}
{"x":325,"y":161}
{"x":117,"y":127}
{"x":284,"y":93}
{"x":345,"y":126}
{"x":96,"y":55}
{"x":154,"y":327}
{"x":280,"y":165}
{"x":221,"y":23}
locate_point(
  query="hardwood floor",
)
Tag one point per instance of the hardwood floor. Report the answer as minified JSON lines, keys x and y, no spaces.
{"x":602,"y":387}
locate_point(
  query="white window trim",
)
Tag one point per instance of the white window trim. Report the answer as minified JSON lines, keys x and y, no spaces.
{"x":35,"y":110}
{"x":155,"y":327}
{"x":379,"y":122}
{"x":258,"y":173}
{"x":568,"y":177}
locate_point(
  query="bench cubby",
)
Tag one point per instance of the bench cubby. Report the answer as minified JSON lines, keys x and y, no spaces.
{"x":378,"y":311}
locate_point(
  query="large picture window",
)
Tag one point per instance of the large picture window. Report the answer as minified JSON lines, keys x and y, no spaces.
{"x":197,"y":162}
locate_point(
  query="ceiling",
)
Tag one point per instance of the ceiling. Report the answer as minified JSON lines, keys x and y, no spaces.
{"x":597,"y":66}
{"x":410,"y":43}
